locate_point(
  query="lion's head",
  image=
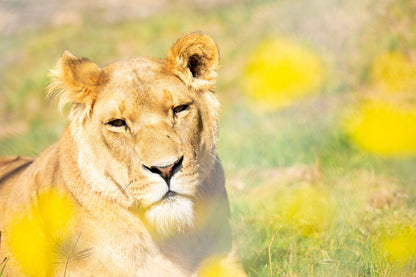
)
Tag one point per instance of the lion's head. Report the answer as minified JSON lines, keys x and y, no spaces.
{"x":145,"y":128}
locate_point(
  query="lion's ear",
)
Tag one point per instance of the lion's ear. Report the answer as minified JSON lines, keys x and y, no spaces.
{"x":74,"y":80}
{"x":194,"y":58}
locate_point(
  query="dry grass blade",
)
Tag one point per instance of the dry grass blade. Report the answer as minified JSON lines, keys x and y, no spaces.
{"x":270,"y":254}
{"x":82,"y":254}
{"x":268,"y":246}
{"x":67,"y":251}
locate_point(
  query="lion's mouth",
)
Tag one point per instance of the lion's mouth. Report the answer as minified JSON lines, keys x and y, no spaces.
{"x":169,"y":194}
{"x":172,"y":197}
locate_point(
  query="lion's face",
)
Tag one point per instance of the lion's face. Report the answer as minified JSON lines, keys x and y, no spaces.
{"x":146,"y":129}
{"x":147,"y":138}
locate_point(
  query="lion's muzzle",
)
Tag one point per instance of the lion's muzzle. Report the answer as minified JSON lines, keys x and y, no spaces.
{"x":166,"y":172}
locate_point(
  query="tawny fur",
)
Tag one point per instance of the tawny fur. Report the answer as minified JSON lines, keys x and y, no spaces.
{"x":122,"y":217}
{"x":195,"y":59}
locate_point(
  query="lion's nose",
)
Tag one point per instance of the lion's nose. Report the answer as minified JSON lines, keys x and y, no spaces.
{"x":166,"y":172}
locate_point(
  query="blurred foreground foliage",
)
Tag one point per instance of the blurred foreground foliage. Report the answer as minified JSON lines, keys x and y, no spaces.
{"x":39,"y":233}
{"x":317,"y":130}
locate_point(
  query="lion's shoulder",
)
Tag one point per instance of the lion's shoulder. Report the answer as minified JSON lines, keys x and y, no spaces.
{"x":12,"y":165}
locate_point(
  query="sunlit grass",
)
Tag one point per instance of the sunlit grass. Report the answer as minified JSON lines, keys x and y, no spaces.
{"x":351,"y":243}
{"x":281,"y":71}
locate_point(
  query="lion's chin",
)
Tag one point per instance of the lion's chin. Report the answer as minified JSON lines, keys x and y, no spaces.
{"x":171,"y":215}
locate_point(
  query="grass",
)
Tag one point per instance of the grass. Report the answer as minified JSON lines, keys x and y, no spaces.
{"x":350,"y":245}
{"x":269,"y":157}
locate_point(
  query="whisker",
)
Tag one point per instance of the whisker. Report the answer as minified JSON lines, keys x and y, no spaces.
{"x":123,"y":189}
{"x":120,"y":187}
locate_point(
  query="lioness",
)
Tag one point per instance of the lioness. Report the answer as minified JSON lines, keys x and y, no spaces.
{"x":138,"y":159}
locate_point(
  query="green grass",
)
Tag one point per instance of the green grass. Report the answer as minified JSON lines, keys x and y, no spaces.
{"x":265,"y":155}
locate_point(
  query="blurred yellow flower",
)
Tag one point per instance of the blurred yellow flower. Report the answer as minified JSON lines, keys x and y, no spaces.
{"x":35,"y":233}
{"x":394,"y":72}
{"x":30,"y":247}
{"x":400,"y":245}
{"x":57,"y":211}
{"x":307,"y":209}
{"x":281,"y":71}
{"x":218,"y":266}
{"x":384,"y":128}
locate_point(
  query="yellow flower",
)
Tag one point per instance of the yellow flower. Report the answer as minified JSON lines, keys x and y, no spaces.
{"x":281,"y":71}
{"x":394,"y":72}
{"x":307,"y":209}
{"x":36,"y":232}
{"x":57,"y":211}
{"x":218,"y":266}
{"x":400,"y":245}
{"x":384,"y":128}
{"x":30,"y":247}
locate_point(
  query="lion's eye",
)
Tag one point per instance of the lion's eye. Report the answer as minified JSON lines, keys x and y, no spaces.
{"x":180,"y":108}
{"x":117,"y":123}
